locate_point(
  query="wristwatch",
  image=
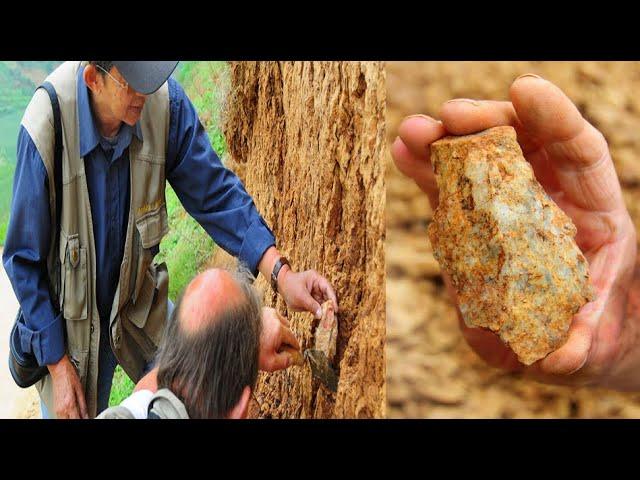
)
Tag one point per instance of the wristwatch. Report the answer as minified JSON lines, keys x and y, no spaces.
{"x":282,"y":261}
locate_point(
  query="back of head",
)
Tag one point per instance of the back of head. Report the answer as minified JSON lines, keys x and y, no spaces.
{"x":209,"y":366}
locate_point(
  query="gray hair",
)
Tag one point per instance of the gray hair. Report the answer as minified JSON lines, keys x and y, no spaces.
{"x":208,"y":369}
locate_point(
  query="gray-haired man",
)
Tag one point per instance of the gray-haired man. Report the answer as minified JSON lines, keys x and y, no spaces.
{"x":208,"y":361}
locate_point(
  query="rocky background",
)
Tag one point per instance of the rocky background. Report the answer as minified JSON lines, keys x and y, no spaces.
{"x":308,"y":141}
{"x":431,"y":372}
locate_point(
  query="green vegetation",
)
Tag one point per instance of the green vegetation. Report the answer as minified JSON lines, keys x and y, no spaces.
{"x":18,"y":81}
{"x":121,"y":387}
{"x":9,"y":127}
{"x":6,"y":187}
{"x":187,"y":247}
{"x":206,"y":84}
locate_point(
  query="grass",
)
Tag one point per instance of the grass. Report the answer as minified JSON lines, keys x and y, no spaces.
{"x":9,"y":127}
{"x":16,"y":88}
{"x":6,"y":187}
{"x":187,"y":247}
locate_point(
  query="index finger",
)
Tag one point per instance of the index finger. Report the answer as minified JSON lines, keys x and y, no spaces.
{"x":463,"y":116}
{"x":73,"y":412}
{"x":328,"y":291}
{"x":81,"y":402}
{"x":577,"y":151}
{"x":282,"y":319}
{"x":289,"y":338}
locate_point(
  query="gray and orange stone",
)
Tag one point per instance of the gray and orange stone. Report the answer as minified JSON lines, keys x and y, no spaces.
{"x":508,"y":248}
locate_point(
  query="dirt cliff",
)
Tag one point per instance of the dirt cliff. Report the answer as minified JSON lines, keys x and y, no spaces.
{"x":431,"y":372}
{"x":308,"y":141}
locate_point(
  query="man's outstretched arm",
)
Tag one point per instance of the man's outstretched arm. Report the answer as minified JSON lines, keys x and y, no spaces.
{"x":217,"y":199}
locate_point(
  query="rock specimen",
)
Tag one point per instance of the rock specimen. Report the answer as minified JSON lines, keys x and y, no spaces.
{"x":509,"y":249}
{"x":327,"y":331}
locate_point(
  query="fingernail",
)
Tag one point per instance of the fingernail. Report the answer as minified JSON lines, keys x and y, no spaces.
{"x":319,"y":313}
{"x":529,"y":75}
{"x":475,"y":103}
{"x":421,"y":115}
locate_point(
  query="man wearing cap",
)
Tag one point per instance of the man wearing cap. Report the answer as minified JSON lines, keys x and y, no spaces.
{"x":127,"y":127}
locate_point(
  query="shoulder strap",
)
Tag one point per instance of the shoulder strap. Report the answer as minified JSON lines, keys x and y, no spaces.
{"x":57,"y":163}
{"x":151,"y":415}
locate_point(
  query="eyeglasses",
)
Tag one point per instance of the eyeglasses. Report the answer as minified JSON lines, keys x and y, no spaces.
{"x":125,"y":86}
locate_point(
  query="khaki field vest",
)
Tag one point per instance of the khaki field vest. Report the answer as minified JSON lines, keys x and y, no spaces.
{"x":139,"y":309}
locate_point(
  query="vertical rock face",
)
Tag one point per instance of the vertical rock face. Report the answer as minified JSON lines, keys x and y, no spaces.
{"x":308,"y":141}
{"x":508,"y":248}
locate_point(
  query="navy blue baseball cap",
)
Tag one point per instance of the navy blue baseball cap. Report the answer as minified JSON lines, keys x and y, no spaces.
{"x":145,"y":77}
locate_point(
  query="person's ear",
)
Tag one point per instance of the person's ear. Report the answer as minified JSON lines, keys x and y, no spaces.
{"x":90,"y":76}
{"x":240,"y":409}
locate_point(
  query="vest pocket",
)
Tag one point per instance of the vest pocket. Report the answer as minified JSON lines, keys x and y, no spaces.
{"x":147,"y":317}
{"x":151,"y":227}
{"x":74,"y":280}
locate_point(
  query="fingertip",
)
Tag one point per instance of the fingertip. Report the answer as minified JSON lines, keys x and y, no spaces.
{"x":402,"y":157}
{"x":415,"y":124}
{"x":405,"y":160}
{"x":455,"y":114}
{"x":397,"y":147}
{"x":525,"y":79}
{"x":544,"y":109}
{"x":417,"y":132}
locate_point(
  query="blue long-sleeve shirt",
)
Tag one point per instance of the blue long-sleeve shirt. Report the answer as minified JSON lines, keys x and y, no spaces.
{"x":212,"y":194}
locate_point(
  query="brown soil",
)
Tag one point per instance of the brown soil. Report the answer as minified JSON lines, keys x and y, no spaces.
{"x":431,"y":372}
{"x":307,"y":139}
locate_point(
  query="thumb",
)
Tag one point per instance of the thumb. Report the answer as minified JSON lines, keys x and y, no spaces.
{"x":281,"y":361}
{"x":296,"y":357}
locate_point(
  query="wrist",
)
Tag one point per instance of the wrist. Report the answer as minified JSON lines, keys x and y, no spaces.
{"x":282,"y":275}
{"x":277,"y":273}
{"x":56,"y":368}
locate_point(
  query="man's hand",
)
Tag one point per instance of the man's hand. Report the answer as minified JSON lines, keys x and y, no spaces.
{"x":68,"y":396}
{"x":276,"y":342}
{"x":305,"y":291}
{"x":571,"y":160}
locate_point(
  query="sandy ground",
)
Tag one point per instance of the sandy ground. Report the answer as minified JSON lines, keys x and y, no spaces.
{"x":14,"y":401}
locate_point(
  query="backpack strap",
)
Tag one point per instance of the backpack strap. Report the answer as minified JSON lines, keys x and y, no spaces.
{"x":151,"y":415}
{"x":57,"y":175}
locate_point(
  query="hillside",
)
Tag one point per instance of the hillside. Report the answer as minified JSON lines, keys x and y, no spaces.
{"x":18,"y":80}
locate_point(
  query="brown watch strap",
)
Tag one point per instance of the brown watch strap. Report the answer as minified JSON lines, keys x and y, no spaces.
{"x":282,"y":261}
